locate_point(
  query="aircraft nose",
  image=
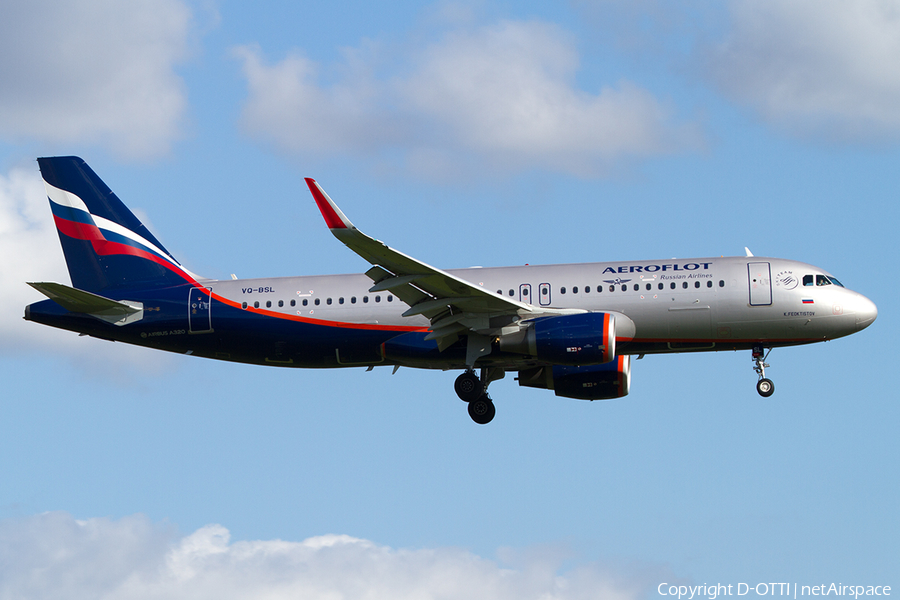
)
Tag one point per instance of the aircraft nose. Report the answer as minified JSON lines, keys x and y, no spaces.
{"x":866,"y":312}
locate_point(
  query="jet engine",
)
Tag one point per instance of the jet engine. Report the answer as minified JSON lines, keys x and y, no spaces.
{"x":579,"y":339}
{"x":593,"y":382}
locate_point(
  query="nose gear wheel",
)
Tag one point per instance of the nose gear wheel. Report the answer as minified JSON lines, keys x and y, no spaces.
{"x":764,"y":386}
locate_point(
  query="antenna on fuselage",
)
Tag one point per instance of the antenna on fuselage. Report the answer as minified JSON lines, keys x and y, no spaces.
{"x":747,"y":250}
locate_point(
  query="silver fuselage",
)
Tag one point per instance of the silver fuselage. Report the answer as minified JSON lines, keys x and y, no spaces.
{"x":676,"y":304}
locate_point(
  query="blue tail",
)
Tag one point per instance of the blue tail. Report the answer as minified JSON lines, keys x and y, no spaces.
{"x":105,"y":245}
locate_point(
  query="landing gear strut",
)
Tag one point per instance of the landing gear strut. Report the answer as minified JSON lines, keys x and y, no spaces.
{"x":473,"y":389}
{"x":764,"y":386}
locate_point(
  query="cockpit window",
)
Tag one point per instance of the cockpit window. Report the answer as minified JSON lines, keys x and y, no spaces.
{"x":807,"y":280}
{"x":836,"y":282}
{"x":822,"y":280}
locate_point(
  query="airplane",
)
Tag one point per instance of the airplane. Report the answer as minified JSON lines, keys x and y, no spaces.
{"x":570,"y":328}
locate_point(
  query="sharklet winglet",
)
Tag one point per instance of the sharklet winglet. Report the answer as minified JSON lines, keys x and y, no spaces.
{"x":334,"y":218}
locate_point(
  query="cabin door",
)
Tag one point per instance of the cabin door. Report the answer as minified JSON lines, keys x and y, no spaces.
{"x":199,"y":318}
{"x":760,"y":280}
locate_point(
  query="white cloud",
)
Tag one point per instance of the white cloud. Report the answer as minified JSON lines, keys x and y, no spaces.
{"x":502,"y":97}
{"x":54,"y":556}
{"x":93,"y":72}
{"x":31,"y":251}
{"x":823,"y":69}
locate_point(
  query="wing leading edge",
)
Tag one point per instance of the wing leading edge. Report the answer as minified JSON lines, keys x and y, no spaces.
{"x":453,"y":305}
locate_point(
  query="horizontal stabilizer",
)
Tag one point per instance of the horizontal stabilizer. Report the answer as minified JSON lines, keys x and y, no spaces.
{"x":79,"y":301}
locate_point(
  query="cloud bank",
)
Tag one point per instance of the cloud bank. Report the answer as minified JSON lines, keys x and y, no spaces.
{"x":501,"y":97}
{"x":30,"y":244}
{"x":99,"y":72}
{"x":55,"y":556}
{"x":817,"y":69}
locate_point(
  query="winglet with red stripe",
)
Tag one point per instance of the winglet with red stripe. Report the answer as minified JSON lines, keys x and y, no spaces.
{"x":334,"y":218}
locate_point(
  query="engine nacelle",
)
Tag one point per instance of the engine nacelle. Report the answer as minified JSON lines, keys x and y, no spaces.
{"x":594,"y":382}
{"x":580,"y":339}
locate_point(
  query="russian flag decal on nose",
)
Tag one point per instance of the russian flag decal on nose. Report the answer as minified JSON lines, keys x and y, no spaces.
{"x":808,"y":301}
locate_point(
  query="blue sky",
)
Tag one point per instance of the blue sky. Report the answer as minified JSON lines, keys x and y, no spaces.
{"x":480,"y":133}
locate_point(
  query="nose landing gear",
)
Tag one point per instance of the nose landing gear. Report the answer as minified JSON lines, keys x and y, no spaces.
{"x":764,"y":386}
{"x":473,"y":389}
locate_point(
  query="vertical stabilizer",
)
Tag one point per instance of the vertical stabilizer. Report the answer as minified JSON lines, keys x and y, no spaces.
{"x":105,"y":245}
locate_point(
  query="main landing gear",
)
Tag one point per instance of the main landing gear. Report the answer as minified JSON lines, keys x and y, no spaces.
{"x":764,"y":386}
{"x":473,"y":389}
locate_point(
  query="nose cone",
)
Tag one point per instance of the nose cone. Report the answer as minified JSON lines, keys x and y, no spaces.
{"x":866,"y":312}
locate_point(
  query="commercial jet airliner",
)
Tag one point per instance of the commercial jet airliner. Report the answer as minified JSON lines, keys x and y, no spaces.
{"x":568,"y":328}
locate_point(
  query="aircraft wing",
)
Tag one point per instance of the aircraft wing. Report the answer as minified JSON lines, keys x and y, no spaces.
{"x":453,"y":305}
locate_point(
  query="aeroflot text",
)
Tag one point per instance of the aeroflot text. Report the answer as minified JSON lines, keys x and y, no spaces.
{"x":655,"y":268}
{"x":771,"y":589}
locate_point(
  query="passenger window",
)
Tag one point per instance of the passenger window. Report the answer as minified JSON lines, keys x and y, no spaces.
{"x":649,"y":287}
{"x":511,"y":292}
{"x":280,"y":303}
{"x":660,"y":286}
{"x":244,"y":305}
{"x":317,"y":301}
{"x":807,"y":280}
{"x":562,"y":290}
{"x":696,"y":284}
{"x":390,"y":298}
{"x":624,"y":288}
{"x":822,"y":280}
{"x":365,"y":299}
{"x":599,"y":288}
{"x":328,"y":301}
{"x":721,"y":283}
{"x":672,"y":285}
{"x":353,"y":300}
{"x":268,"y":304}
{"x":256,"y":304}
{"x":305,"y":302}
{"x":684,"y":284}
{"x":587,"y":289}
{"x":709,"y":283}
{"x":525,"y":291}
{"x":575,"y":290}
{"x":636,"y":287}
{"x":293,"y":303}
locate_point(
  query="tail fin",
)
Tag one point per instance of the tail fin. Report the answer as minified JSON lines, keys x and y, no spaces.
{"x":105,"y":245}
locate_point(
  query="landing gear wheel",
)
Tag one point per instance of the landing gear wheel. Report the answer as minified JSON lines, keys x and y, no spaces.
{"x":482,"y":410}
{"x":765,"y":387}
{"x":468,"y":387}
